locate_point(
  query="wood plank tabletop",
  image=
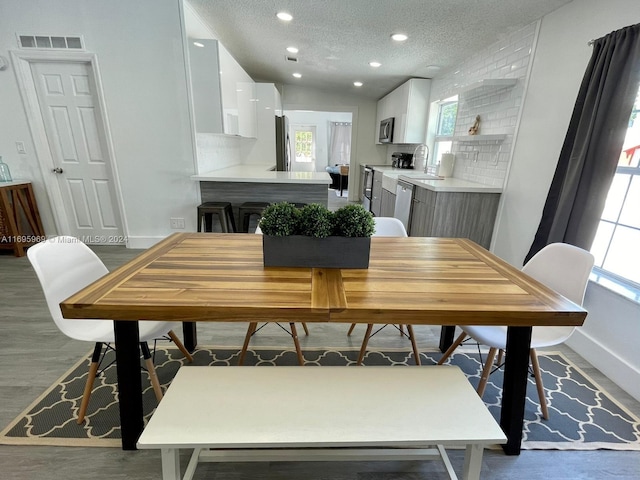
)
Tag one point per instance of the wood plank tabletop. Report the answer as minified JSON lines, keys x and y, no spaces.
{"x":220,"y":277}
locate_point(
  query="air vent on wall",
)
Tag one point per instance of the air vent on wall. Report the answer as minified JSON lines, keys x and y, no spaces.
{"x":53,"y":42}
{"x":291,"y":59}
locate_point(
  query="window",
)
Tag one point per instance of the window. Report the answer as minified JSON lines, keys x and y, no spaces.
{"x":617,"y":243}
{"x":305,"y":145}
{"x":446,"y":124}
{"x":304,"y":141}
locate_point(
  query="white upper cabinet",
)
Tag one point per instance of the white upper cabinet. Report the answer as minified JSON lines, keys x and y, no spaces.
{"x":224,"y":95}
{"x":409,"y":106}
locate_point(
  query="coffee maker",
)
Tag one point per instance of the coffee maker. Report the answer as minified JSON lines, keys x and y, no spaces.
{"x":402,"y":160}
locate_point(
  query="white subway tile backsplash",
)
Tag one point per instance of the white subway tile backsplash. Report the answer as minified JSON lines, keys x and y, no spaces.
{"x":507,"y":58}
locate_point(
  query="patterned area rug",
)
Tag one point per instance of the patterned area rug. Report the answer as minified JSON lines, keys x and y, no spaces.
{"x":582,"y":415}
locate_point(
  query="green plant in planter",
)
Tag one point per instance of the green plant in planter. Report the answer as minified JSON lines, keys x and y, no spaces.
{"x":315,"y":220}
{"x":353,"y":221}
{"x":280,"y":220}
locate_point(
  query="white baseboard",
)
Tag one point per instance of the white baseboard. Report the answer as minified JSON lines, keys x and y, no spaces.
{"x":143,"y":242}
{"x":615,"y":368}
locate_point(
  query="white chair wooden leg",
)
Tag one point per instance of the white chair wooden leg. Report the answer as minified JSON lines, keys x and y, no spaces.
{"x":88,"y":386}
{"x":538,"y":376}
{"x":174,"y":338}
{"x":365,"y":342}
{"x":306,"y":330}
{"x":412,"y":337}
{"x":353,"y":325}
{"x":294,"y":334}
{"x":151,"y":370}
{"x":250,"y":331}
{"x":486,"y":371}
{"x":451,"y":349}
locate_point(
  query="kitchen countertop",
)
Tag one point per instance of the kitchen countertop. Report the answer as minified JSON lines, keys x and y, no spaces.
{"x":261,"y":174}
{"x":450,"y":184}
{"x":437,"y":184}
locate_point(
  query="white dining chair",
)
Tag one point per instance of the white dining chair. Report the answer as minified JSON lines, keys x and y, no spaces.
{"x":64,"y":265}
{"x":253,"y":328}
{"x":387,"y":227}
{"x":561,"y":267}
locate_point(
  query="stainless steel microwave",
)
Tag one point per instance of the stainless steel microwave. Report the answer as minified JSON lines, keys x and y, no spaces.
{"x":386,"y":130}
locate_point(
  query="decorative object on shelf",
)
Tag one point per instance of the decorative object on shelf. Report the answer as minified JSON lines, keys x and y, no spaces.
{"x":5,"y":173}
{"x":475,"y":127}
{"x":315,"y":237}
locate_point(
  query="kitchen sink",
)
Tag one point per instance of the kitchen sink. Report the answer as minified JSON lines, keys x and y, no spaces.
{"x":426,"y":177}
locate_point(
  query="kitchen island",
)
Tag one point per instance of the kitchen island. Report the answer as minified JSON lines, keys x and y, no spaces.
{"x":260,"y":183}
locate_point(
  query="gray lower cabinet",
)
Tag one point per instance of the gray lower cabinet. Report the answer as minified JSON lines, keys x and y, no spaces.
{"x":454,"y":214}
{"x":388,"y":206}
{"x":376,"y":193}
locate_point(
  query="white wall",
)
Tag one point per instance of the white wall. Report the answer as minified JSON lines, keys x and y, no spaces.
{"x":143,"y":76}
{"x":611,"y":332}
{"x":363,"y":147}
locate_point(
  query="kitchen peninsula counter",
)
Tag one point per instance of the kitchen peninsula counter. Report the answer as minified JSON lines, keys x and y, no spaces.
{"x":258,"y":183}
{"x":262,"y":174}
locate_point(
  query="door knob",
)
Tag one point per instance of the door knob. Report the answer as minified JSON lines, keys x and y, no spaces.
{"x":57,"y":170}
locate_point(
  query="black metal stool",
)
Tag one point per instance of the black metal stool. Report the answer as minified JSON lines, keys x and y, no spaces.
{"x":207,"y":210}
{"x":246,"y":210}
{"x":254,"y":208}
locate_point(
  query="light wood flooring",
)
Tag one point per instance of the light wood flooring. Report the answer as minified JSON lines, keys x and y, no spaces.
{"x":33,"y":354}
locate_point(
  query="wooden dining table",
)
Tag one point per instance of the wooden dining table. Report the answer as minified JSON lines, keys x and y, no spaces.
{"x":208,"y":277}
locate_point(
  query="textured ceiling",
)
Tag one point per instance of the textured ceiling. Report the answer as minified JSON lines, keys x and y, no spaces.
{"x":338,"y":38}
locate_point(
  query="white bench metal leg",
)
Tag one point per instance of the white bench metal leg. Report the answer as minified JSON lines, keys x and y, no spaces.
{"x":472,"y":462}
{"x":170,"y":464}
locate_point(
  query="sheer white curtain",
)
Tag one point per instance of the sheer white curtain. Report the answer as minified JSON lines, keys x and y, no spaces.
{"x":340,"y":143}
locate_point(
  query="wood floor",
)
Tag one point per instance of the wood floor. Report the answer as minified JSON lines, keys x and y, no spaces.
{"x":33,"y":353}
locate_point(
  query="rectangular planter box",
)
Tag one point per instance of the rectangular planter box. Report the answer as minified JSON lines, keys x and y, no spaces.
{"x":311,"y":252}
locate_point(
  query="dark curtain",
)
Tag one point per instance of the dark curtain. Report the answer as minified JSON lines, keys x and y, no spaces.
{"x":591,"y":149}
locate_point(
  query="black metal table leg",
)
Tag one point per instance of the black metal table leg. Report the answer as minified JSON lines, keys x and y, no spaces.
{"x":446,"y":337}
{"x":190,"y":335}
{"x":129,"y":382}
{"x":514,"y":389}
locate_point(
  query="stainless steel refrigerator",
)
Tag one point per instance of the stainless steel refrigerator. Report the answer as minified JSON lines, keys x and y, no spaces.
{"x":283,"y":145}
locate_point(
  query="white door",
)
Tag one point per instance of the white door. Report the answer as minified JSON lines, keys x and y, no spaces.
{"x":304,"y":155}
{"x":72,"y":121}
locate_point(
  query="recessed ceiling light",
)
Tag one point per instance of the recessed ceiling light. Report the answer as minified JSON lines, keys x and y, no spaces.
{"x":374,"y":64}
{"x":399,"y":37}
{"x":357,"y":84}
{"x":198,"y":44}
{"x":297,"y":75}
{"x":284,"y":16}
{"x":292,"y":50}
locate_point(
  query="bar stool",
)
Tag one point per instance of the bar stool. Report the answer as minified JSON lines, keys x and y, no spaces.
{"x":254,"y":208}
{"x":223,"y":210}
{"x":246,"y":210}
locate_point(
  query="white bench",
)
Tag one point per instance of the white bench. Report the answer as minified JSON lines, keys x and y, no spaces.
{"x":244,"y":414}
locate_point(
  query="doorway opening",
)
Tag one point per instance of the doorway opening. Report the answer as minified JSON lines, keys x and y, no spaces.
{"x":321,"y":144}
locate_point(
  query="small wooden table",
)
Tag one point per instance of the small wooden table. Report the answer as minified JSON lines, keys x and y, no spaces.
{"x":418,"y":281}
{"x":320,"y":414}
{"x":20,"y":224}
